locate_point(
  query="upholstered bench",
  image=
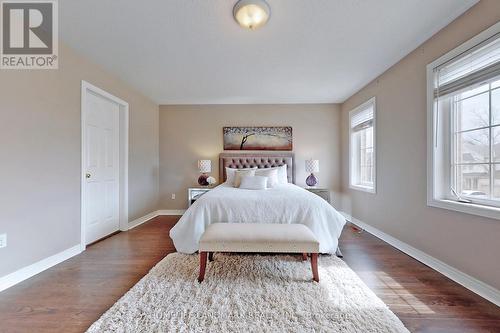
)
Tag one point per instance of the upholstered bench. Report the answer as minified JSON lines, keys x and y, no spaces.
{"x":258,"y":237}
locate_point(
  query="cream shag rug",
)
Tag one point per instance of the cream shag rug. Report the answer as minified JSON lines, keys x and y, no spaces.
{"x":249,"y":293}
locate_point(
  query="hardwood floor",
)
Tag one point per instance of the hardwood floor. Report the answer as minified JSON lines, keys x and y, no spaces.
{"x":72,"y":295}
{"x":424,"y":300}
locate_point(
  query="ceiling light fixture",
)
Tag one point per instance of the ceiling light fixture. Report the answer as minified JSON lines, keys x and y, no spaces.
{"x":251,"y":14}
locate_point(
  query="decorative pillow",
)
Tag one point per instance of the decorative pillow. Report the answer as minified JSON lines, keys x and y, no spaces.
{"x":241,"y":173}
{"x":253,"y":182}
{"x":271,"y":174}
{"x":230,"y":174}
{"x":282,"y":174}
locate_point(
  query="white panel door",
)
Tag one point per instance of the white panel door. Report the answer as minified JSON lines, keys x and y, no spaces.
{"x":101,"y":167}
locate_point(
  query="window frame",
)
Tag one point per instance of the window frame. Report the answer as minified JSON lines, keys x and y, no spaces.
{"x":440,"y":200}
{"x":491,"y":162}
{"x":364,"y":188}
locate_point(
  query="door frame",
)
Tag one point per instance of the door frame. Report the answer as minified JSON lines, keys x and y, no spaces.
{"x":123,"y":157}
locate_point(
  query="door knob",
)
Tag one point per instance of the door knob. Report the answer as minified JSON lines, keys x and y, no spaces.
{"x":87,"y":175}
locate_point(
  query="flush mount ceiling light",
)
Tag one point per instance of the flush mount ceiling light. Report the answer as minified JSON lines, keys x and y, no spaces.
{"x":251,"y":14}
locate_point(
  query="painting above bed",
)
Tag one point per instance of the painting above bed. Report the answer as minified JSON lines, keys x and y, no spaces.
{"x":258,"y":138}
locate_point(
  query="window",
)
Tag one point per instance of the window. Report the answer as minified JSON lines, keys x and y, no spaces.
{"x":464,"y":122}
{"x":476,"y":143}
{"x":362,"y":147}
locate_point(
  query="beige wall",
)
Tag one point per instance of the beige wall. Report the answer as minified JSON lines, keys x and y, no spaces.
{"x":468,"y":243}
{"x":40,"y":141}
{"x":189,"y":133}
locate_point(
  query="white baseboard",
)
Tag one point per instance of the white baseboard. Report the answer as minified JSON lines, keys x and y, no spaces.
{"x":141,"y":220}
{"x":145,"y":218}
{"x":22,"y":274}
{"x":482,"y":289}
{"x":171,"y":212}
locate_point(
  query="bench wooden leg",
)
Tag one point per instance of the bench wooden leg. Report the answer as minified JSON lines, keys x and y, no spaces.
{"x":304,"y":256}
{"x":314,"y":266}
{"x":203,"y":265}
{"x":210,"y":256}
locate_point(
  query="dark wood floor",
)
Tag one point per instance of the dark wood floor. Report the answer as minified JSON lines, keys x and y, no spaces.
{"x":71,"y":296}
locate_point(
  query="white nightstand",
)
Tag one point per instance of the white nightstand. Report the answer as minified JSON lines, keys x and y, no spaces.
{"x":195,"y":192}
{"x":321,"y":192}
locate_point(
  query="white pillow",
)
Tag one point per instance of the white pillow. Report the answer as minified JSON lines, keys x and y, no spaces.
{"x":282,"y":174}
{"x":253,"y":183}
{"x":241,"y":173}
{"x":230,"y":174}
{"x":271,"y":174}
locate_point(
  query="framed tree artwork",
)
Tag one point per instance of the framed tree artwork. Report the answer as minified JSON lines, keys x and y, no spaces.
{"x":258,"y":138}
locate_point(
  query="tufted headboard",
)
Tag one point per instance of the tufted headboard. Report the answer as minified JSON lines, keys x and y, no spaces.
{"x":260,"y":160}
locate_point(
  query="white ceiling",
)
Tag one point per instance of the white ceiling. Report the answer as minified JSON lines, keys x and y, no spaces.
{"x":192,"y":51}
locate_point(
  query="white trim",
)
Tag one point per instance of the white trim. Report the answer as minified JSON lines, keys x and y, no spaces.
{"x":173,"y":212}
{"x":467,"y":208}
{"x":373,"y":102}
{"x":24,"y":273}
{"x":141,"y":220}
{"x":482,"y":289}
{"x":432,"y":200}
{"x":124,"y":148}
{"x":363,"y":188}
{"x":152,"y":215}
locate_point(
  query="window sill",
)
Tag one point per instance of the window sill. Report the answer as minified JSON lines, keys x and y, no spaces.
{"x":363,"y":188}
{"x":468,"y":208}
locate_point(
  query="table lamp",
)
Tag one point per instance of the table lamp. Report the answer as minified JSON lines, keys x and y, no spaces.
{"x":205,"y":166}
{"x":312,"y":166}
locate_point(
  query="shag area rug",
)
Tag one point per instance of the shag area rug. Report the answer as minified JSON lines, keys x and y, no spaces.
{"x":249,"y":293}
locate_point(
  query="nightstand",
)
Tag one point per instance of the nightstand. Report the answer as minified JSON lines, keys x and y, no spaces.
{"x":321,"y":192}
{"x":195,"y":192}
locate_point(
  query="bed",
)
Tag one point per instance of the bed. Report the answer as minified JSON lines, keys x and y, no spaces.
{"x":286,"y":203}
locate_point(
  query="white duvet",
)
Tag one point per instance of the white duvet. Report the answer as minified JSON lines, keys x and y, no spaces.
{"x":283,"y":204}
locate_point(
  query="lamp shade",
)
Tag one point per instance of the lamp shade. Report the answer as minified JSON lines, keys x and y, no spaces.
{"x":205,"y":166}
{"x":312,"y":166}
